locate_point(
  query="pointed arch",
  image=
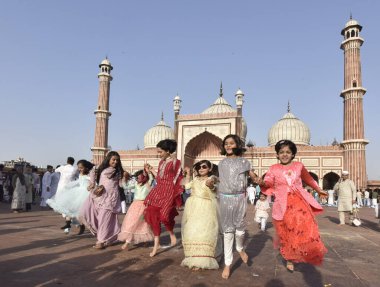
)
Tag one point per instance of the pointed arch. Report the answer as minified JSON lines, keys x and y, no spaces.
{"x":329,"y":180}
{"x":204,"y":146}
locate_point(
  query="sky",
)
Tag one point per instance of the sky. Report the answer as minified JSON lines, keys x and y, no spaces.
{"x":275,"y":51}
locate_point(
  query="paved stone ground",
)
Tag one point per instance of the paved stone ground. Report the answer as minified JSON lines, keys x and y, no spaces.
{"x":35,"y":252}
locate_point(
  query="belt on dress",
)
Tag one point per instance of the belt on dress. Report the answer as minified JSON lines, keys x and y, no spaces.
{"x":232,"y":194}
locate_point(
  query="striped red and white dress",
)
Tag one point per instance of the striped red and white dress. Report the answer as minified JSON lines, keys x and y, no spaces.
{"x":167,"y":192}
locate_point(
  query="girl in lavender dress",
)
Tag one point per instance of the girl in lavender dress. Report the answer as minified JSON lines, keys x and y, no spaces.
{"x":99,"y":212}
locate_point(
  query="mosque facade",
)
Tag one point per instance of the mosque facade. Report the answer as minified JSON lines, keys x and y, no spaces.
{"x":199,"y":136}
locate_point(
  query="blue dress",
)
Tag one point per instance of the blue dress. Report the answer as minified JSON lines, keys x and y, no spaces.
{"x":71,"y":198}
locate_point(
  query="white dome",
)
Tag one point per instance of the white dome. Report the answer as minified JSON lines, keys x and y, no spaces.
{"x":219,"y":106}
{"x":289,"y":128}
{"x":351,"y":22}
{"x":106,"y":62}
{"x":159,"y":132}
{"x":239,"y":92}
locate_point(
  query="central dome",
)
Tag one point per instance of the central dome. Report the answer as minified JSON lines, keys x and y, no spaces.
{"x":219,"y":106}
{"x":289,"y":128}
{"x":159,"y":132}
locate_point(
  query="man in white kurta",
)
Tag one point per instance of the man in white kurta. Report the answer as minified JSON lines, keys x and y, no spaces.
{"x":46,"y":182}
{"x":346,"y":190}
{"x":54,"y":182}
{"x":68,"y":173}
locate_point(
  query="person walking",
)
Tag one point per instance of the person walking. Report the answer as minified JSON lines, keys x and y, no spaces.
{"x":346,"y":190}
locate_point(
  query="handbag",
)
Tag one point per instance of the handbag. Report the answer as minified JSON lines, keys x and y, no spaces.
{"x":99,"y":190}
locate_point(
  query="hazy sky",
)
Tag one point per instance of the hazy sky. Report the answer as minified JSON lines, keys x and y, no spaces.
{"x":274,"y":51}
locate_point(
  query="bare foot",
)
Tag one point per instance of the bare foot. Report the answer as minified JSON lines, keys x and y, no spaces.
{"x":154,"y":252}
{"x":244,"y":256}
{"x":195,"y":269}
{"x":173,"y":240}
{"x":226,"y":272}
{"x":125,"y":246}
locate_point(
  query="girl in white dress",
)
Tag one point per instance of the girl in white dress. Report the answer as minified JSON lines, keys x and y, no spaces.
{"x":74,"y":194}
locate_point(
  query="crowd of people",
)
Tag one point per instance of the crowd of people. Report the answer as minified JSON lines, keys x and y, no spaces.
{"x":215,"y":200}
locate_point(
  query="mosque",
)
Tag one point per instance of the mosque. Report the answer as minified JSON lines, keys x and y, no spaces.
{"x":199,"y":136}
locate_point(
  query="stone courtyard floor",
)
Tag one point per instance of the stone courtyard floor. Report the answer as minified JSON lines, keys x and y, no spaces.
{"x":35,"y":252}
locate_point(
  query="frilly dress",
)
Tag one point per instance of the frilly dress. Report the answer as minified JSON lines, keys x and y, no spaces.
{"x":71,"y":197}
{"x":134,"y":228}
{"x":200,"y":227}
{"x":293,"y":213}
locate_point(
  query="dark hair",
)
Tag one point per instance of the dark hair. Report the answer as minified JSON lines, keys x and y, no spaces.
{"x":118,"y":170}
{"x":1,"y":166}
{"x":86,"y":164}
{"x":263,"y":194}
{"x":167,"y":145}
{"x":239,"y":150}
{"x":137,"y":173}
{"x":292,"y":146}
{"x":49,"y":166}
{"x":70,"y":160}
{"x":213,"y":167}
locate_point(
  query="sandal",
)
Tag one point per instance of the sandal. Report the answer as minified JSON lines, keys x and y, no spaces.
{"x":99,"y":246}
{"x":290,"y":266}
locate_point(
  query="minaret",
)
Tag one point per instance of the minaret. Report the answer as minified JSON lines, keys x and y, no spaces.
{"x":239,"y":95}
{"x":177,"y":108}
{"x":102,"y":113}
{"x":352,"y":94}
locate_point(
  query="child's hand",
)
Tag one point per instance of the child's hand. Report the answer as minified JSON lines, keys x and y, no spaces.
{"x":322,"y":193}
{"x":210,"y":183}
{"x":126,"y":175}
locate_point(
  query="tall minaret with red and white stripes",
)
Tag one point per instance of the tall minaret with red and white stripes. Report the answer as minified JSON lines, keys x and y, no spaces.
{"x":354,"y":142}
{"x":102,"y":113}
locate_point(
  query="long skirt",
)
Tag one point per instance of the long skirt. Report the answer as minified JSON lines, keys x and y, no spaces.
{"x":18,"y":199}
{"x":298,"y":234}
{"x":101,"y":222}
{"x":69,"y":200}
{"x":200,"y":233}
{"x":134,"y":228}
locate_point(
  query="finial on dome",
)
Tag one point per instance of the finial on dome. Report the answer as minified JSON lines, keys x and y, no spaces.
{"x":350,"y":15}
{"x":162,"y":116}
{"x":288,"y":106}
{"x":221,"y":90}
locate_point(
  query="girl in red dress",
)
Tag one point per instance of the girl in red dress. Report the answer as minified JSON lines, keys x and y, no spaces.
{"x":163,"y":199}
{"x":294,"y":208}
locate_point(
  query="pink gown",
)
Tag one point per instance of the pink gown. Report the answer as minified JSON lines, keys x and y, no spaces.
{"x":99,"y":213}
{"x":293,"y":213}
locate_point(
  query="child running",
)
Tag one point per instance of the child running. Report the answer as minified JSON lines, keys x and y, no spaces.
{"x":165,"y":196}
{"x":134,"y":228}
{"x":294,"y":208}
{"x":233,"y":172}
{"x":261,"y":214}
{"x":200,"y":219}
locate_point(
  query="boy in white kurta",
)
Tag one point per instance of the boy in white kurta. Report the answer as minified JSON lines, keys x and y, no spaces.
{"x":262,"y":208}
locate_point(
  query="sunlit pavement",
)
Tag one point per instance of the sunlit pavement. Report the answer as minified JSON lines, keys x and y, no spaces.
{"x":35,"y":252}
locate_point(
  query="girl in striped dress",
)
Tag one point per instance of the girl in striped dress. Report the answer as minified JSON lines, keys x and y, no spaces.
{"x":163,"y":199}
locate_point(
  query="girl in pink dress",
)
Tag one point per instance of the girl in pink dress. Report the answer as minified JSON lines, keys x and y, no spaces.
{"x":134,"y":228}
{"x":99,"y":212}
{"x":294,"y":208}
{"x":161,"y":202}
